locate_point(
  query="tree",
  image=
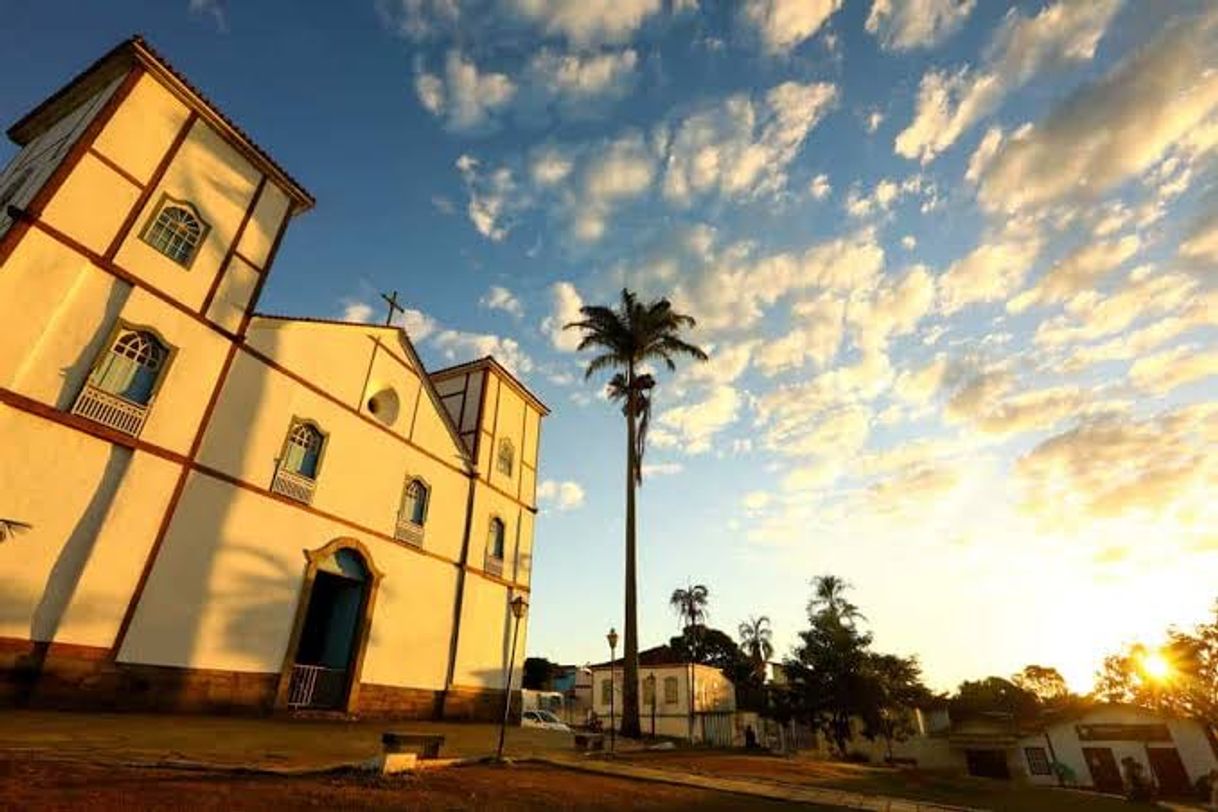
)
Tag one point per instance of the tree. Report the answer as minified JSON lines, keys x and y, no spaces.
{"x":716,"y":648}
{"x":995,"y":695}
{"x":690,"y":605}
{"x":1046,"y":683}
{"x":897,"y":682}
{"x":1184,"y":682}
{"x":829,"y":598}
{"x":836,"y":678}
{"x":755,"y":634}
{"x":625,"y":338}
{"x":539,"y":674}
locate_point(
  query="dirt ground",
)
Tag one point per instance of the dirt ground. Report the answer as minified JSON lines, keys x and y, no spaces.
{"x":27,"y":783}
{"x":923,"y":785}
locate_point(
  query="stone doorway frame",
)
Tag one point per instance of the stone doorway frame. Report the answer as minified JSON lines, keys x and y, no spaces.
{"x":313,"y":560}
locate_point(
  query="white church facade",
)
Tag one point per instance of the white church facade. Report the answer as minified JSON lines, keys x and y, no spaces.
{"x":221,"y":510}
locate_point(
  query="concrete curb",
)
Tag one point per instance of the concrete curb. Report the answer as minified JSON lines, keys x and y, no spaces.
{"x":757,"y":789}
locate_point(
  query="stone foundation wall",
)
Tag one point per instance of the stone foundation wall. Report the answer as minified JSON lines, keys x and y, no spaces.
{"x":71,"y":677}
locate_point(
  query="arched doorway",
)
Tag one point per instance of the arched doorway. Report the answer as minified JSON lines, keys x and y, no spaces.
{"x":322,"y":665}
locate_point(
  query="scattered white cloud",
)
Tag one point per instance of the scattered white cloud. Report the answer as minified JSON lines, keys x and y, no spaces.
{"x":466,"y":98}
{"x":417,"y":324}
{"x":587,"y":22}
{"x":576,"y":80}
{"x":561,"y":496}
{"x":903,"y":25}
{"x":819,"y":188}
{"x":565,"y":304}
{"x":692,"y":427}
{"x":498,"y":297}
{"x":992,"y":271}
{"x":456,"y":345}
{"x":1164,"y":371}
{"x":1113,"y":129}
{"x":743,"y":147}
{"x":654,"y":469}
{"x":1078,"y":272}
{"x":784,"y":24}
{"x":491,"y":195}
{"x":950,"y":102}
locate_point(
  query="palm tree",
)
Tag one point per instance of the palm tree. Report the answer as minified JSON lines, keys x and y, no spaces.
{"x":690,"y":605}
{"x":625,"y":338}
{"x":829,"y":598}
{"x":11,"y":527}
{"x":755,"y":636}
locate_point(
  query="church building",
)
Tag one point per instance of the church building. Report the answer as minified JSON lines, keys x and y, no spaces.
{"x":208,"y":508}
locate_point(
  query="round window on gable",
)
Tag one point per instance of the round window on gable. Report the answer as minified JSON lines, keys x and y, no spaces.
{"x":384,"y":406}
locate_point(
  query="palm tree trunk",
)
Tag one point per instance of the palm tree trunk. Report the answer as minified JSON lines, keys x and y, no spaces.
{"x":631,"y":725}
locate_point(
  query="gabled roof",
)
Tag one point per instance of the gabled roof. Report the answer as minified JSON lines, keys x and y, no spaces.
{"x":652,"y":657}
{"x":116,"y":62}
{"x":512,"y":380}
{"x":426,"y":380}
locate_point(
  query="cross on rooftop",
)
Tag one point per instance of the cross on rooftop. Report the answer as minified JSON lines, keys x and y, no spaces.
{"x":392,"y":301}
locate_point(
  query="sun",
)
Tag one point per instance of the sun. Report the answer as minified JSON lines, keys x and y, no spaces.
{"x":1156,"y":666}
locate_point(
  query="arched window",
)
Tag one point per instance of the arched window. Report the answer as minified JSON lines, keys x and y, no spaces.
{"x":494,"y":541}
{"x":670,"y":690}
{"x":303,"y":450}
{"x":132,"y":366}
{"x":414,"y":502}
{"x":176,"y":232}
{"x":506,"y":459}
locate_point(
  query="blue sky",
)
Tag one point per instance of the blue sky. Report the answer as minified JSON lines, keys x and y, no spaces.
{"x":955,"y":262}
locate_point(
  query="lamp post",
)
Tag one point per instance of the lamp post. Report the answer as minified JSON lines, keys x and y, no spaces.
{"x":612,"y":638}
{"x":519,"y":605}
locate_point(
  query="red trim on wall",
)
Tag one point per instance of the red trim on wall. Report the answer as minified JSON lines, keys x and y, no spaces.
{"x":123,"y":173}
{"x":153,"y":182}
{"x":232,"y":248}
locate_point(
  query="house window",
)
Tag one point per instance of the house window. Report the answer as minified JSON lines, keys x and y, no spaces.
{"x":670,"y":690}
{"x":413,"y":511}
{"x":506,"y":459}
{"x":296,"y":475}
{"x":494,"y":547}
{"x":176,"y":231}
{"x":607,"y":691}
{"x":1038,"y":761}
{"x":121,"y":385}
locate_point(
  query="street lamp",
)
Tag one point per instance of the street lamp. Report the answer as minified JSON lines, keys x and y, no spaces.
{"x":612,"y":638}
{"x":519,"y":605}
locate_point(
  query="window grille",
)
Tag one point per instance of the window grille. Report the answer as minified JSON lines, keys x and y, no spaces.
{"x":176,"y":232}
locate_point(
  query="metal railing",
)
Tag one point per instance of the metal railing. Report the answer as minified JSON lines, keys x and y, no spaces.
{"x":409,"y":532}
{"x":314,"y":686}
{"x":493,"y":564}
{"x":293,"y":485}
{"x":110,"y":410}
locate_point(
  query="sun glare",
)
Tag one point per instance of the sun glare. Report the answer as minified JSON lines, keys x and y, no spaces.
{"x":1156,"y":666}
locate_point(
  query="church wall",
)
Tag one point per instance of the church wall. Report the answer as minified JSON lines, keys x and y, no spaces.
{"x":485,"y":640}
{"x":60,"y":312}
{"x":233,"y":294}
{"x":94,"y":509}
{"x":209,"y":174}
{"x":412,"y":621}
{"x":363,"y":471}
{"x":141,"y":130}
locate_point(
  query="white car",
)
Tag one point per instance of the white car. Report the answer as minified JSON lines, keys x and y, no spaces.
{"x":544,"y":720}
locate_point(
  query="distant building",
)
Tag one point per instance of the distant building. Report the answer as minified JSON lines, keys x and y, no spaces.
{"x":230,"y":511}
{"x":1081,"y":747}
{"x":664,"y":697}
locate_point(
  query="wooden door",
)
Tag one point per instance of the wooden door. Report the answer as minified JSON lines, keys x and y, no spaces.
{"x":1105,"y":775}
{"x":1169,"y":771}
